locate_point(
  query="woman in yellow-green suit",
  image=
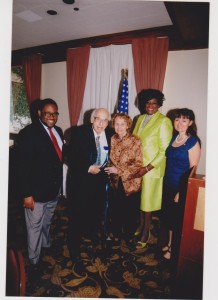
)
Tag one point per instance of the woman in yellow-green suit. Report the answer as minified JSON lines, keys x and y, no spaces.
{"x":155,"y":132}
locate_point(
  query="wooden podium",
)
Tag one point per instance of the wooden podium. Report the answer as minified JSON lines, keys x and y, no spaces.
{"x":189,"y":277}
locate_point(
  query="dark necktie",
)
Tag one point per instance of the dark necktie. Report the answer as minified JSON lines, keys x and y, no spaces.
{"x":55,"y":143}
{"x":98,"y":148}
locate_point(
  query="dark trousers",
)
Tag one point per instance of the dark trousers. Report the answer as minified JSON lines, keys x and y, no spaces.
{"x":172,"y":219}
{"x":86,"y":213}
{"x":123,"y":212}
{"x":170,"y":212}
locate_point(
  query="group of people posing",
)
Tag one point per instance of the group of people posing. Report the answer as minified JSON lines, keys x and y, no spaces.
{"x":117,"y":175}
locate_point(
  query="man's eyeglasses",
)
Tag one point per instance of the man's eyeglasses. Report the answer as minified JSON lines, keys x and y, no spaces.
{"x":97,"y":119}
{"x":49,"y":114}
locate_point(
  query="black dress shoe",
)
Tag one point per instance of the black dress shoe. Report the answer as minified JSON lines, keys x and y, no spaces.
{"x":74,"y":252}
{"x":74,"y":256}
{"x":34,"y":272}
{"x":130,"y":244}
{"x":46,"y":251}
{"x":56,"y":253}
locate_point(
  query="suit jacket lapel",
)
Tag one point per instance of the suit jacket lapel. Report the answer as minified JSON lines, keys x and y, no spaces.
{"x":47,"y":139}
{"x":59,"y":131}
{"x":151,"y":122}
{"x":91,"y":137}
{"x":90,"y":144}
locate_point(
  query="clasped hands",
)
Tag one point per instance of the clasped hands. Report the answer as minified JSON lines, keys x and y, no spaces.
{"x":94,"y":169}
{"x":139,"y":173}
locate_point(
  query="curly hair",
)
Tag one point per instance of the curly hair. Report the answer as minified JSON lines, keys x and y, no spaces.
{"x":145,"y":95}
{"x":123,"y":116}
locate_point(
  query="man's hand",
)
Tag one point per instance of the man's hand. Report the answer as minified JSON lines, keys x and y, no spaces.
{"x":94,"y":169}
{"x":176,"y":199}
{"x":29,"y":202}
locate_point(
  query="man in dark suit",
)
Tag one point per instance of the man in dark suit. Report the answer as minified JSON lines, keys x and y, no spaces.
{"x":86,"y":181}
{"x":40,"y":176}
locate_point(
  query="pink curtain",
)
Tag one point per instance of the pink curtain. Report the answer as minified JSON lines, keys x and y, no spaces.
{"x":32,"y":66}
{"x":150,"y":60}
{"x":77,"y":65}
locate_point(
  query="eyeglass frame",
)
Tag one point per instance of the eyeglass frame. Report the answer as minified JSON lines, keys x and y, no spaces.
{"x":49,"y":114}
{"x":98,"y":119}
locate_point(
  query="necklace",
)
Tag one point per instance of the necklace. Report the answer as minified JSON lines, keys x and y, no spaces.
{"x":177,"y":139}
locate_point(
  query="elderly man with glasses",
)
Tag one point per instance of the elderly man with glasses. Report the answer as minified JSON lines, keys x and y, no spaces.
{"x":86,"y":182}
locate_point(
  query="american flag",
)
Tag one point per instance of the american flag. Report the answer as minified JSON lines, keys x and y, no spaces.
{"x":124,"y":96}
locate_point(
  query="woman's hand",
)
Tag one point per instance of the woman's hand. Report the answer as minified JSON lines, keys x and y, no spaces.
{"x":111,"y":170}
{"x":139,"y":173}
{"x":29,"y":202}
{"x":176,"y":198}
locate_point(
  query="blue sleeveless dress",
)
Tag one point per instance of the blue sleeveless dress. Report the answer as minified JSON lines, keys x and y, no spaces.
{"x":177,"y":161}
{"x":177,"y":165}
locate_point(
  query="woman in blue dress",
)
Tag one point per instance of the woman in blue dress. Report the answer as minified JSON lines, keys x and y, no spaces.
{"x":182,"y":154}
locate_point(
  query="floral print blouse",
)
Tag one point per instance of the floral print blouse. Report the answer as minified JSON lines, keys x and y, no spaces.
{"x":126,"y":155}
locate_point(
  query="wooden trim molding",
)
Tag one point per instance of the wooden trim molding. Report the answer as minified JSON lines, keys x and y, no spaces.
{"x":190,"y":30}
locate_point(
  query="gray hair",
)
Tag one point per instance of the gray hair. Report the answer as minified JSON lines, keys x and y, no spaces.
{"x":94,"y":112}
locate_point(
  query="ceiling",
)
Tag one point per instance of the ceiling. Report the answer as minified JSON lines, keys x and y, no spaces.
{"x":32,"y":26}
{"x":34,"y":29}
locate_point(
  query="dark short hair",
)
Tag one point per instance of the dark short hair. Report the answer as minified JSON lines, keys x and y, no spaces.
{"x":46,"y":102}
{"x":145,"y":95}
{"x":34,"y":107}
{"x":185,"y":112}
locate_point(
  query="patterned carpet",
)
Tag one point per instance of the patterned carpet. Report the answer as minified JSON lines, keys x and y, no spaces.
{"x":115,"y":271}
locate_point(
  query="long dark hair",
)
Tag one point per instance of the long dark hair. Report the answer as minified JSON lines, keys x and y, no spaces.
{"x":189,"y":114}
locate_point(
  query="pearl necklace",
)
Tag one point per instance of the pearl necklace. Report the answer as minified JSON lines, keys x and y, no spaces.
{"x":177,"y":139}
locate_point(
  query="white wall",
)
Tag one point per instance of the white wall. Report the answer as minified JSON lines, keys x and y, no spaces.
{"x":54,"y":85}
{"x":185,"y":86}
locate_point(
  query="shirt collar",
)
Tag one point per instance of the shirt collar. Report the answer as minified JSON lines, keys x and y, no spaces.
{"x":124,"y":138}
{"x":101,"y":134}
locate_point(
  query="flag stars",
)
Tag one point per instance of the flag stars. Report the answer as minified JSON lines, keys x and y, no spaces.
{"x":123,"y":100}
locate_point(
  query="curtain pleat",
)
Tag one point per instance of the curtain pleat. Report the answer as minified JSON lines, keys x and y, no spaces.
{"x":104,"y":77}
{"x":77,"y":64}
{"x":32,"y":67}
{"x":150,"y":59}
{"x":93,"y":75}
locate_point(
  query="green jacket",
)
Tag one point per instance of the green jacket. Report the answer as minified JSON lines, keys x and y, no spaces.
{"x":155,"y":137}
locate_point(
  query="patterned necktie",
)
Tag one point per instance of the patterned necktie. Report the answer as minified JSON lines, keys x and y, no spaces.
{"x":55,"y":143}
{"x":98,"y":148}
